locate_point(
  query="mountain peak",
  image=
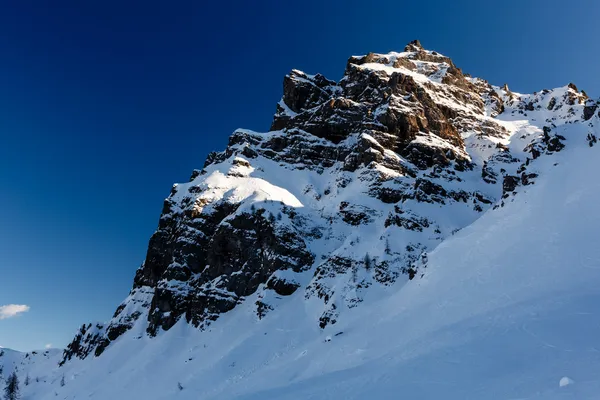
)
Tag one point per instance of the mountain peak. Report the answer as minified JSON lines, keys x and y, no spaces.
{"x":346,"y":194}
{"x":414,"y":45}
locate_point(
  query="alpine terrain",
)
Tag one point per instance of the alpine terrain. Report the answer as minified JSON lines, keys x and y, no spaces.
{"x":409,"y":232}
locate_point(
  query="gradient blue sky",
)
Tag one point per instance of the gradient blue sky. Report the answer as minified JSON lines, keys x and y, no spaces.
{"x":104,"y":105}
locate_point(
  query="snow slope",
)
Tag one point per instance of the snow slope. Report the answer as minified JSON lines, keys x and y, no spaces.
{"x":508,"y":307}
{"x":40,"y":365}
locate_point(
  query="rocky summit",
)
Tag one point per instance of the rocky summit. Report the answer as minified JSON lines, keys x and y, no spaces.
{"x":353,"y":185}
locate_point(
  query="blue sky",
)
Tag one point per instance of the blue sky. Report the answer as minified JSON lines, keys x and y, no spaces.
{"x":104,"y":105}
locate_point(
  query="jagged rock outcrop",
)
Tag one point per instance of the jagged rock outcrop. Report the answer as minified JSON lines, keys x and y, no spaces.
{"x":90,"y":339}
{"x":355,"y":182}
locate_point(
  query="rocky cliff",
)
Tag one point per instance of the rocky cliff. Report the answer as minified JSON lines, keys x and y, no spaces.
{"x":353,"y":185}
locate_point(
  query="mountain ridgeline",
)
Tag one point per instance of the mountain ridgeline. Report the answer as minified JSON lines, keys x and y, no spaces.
{"x":345,"y":196}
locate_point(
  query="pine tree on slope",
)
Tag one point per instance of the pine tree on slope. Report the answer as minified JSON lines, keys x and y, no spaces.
{"x":11,"y":391}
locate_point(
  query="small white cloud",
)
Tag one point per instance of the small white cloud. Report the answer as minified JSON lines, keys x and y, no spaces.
{"x":48,"y":346}
{"x":12,"y":310}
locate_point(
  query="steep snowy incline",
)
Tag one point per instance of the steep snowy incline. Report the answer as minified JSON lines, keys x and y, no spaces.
{"x":506,"y":310}
{"x":508,"y":307}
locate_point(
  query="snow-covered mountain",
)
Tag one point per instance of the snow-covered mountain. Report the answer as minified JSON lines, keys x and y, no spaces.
{"x":409,"y":231}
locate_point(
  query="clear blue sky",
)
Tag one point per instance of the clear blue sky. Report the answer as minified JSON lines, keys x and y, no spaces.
{"x":104,"y":105}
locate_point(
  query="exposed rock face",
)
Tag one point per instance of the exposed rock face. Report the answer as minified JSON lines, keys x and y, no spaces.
{"x":355,"y":182}
{"x":88,"y":340}
{"x":590,"y":109}
{"x":242,"y":253}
